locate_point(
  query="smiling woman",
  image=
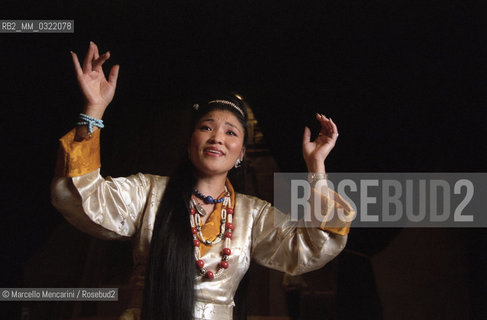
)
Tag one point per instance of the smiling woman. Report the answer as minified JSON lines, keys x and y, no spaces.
{"x":217,"y":143}
{"x":194,"y":233}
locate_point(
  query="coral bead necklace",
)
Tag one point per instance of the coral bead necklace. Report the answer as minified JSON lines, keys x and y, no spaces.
{"x":226,"y":229}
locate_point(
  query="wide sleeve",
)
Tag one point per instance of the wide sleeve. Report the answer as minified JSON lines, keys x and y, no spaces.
{"x":289,"y":246}
{"x":107,"y":208}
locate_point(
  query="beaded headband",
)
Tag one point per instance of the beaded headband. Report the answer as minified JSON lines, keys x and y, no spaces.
{"x":228,"y":103}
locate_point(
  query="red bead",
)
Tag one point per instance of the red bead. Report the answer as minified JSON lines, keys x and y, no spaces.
{"x":227,"y":251}
{"x":194,"y":230}
{"x":224,"y":264}
{"x":192,"y":211}
{"x":200,"y":263}
{"x":229,"y":225}
{"x":229,"y":210}
{"x":196,"y":243}
{"x":228,"y":235}
{"x":209,"y":275}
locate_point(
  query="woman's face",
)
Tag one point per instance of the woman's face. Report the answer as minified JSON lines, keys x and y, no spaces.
{"x":216,"y":143}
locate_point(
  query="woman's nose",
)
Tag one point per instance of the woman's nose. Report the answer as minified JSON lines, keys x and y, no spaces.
{"x":217,"y":137}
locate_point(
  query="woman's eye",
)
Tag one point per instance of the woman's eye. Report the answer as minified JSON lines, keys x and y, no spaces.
{"x":231,"y":133}
{"x":205,"y":128}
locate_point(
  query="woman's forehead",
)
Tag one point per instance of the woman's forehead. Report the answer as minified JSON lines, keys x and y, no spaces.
{"x":221,"y":116}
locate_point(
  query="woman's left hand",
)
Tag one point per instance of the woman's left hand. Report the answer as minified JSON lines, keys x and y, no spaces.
{"x":315,"y":152}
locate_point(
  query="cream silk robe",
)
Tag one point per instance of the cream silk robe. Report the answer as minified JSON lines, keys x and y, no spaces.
{"x":123,"y":208}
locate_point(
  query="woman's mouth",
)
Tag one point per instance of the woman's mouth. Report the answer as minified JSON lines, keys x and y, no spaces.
{"x":215,"y":152}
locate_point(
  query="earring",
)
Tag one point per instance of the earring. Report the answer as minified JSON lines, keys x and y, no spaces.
{"x":238,"y":163}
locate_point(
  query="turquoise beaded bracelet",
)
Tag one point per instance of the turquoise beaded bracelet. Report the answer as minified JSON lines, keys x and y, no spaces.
{"x":87,"y":120}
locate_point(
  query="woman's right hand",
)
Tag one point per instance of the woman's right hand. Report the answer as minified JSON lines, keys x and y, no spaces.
{"x":97,"y":91}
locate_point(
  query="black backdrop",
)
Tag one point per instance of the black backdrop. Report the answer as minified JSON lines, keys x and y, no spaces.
{"x":404,"y":80}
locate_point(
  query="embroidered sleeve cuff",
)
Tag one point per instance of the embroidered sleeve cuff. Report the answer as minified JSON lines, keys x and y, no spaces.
{"x":339,"y":215}
{"x":341,"y":231}
{"x":78,"y":158}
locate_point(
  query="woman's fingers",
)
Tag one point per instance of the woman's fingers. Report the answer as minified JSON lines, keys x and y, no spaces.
{"x":325,"y":124}
{"x":306,"y":135}
{"x":93,"y":61}
{"x":77,"y":66}
{"x":96,"y":53}
{"x":98,"y":62}
{"x":113,"y":76}
{"x":96,"y":56}
{"x":95,"y":88}
{"x":328,"y":127}
{"x":87,"y":68}
{"x":335,"y":129}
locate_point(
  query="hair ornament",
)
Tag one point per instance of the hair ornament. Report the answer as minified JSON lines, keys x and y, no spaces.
{"x":196,"y":106}
{"x":230,"y":104}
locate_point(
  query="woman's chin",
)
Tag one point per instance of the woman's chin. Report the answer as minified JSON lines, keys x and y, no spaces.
{"x":212,"y":170}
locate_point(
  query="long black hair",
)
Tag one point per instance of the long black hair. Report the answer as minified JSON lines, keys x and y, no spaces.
{"x":171,"y":269}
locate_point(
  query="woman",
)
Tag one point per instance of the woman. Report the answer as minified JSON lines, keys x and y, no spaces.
{"x":194,"y":236}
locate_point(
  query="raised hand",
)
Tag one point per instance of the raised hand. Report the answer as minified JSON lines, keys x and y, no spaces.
{"x":315,"y":152}
{"x":97,"y":91}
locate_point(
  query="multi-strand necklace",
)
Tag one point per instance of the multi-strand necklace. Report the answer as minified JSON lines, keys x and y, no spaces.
{"x":226,"y":229}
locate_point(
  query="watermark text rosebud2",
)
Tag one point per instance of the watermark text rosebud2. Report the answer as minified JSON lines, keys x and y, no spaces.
{"x":383,"y":199}
{"x":59,"y":294}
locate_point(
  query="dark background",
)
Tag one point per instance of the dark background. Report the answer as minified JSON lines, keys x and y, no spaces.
{"x":404,"y":80}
